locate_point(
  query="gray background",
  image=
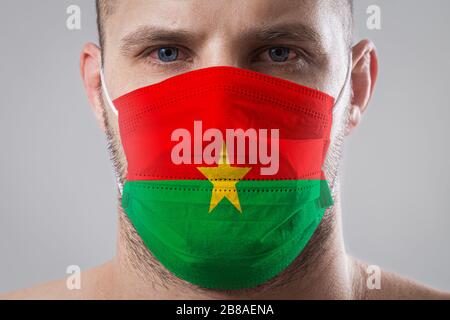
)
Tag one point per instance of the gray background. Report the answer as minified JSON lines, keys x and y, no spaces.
{"x":57,"y":192}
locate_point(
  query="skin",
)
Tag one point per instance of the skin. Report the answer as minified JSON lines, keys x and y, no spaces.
{"x":222,"y":32}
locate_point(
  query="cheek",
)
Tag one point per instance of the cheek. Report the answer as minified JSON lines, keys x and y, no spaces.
{"x":320,"y":76}
{"x":125,"y":75}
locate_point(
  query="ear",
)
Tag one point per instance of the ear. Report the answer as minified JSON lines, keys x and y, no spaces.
{"x":364,"y":77}
{"x":90,"y":74}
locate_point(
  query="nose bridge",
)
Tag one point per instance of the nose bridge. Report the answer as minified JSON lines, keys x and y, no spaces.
{"x":221,"y":50}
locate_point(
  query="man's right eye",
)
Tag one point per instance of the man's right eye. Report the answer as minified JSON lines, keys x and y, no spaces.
{"x":167,"y":54}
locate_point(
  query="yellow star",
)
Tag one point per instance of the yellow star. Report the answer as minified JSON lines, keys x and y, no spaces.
{"x":224,"y":179}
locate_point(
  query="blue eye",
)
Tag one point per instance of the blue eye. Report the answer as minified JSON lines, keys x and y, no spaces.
{"x":279,"y":54}
{"x":168,"y":54}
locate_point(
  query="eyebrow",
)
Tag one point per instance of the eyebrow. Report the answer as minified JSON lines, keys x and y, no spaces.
{"x":296,"y":32}
{"x":145,"y":35}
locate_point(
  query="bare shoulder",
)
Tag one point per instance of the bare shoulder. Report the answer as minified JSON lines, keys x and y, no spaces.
{"x":395,"y":287}
{"x":59,"y":290}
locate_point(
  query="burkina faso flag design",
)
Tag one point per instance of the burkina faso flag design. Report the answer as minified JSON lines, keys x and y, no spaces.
{"x":225,"y":224}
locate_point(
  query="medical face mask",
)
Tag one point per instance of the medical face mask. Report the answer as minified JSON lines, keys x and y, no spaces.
{"x":225,"y":183}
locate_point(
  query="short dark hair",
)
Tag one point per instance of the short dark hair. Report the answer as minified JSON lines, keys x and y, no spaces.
{"x":106,"y":7}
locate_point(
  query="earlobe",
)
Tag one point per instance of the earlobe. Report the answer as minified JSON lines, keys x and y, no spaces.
{"x":90,"y":74}
{"x":355,"y":116}
{"x":364,"y":76}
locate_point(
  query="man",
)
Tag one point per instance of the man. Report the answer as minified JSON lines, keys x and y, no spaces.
{"x":303,"y":41}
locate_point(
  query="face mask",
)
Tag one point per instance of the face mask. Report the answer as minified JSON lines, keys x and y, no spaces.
{"x":225,"y":183}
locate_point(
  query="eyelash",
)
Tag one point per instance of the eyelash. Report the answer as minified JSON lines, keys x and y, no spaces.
{"x":295,"y":65}
{"x":149,"y":51}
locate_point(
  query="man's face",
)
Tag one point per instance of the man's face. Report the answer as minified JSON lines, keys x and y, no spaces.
{"x":304,"y":41}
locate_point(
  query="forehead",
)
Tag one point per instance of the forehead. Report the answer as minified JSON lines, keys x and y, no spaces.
{"x":227,"y":18}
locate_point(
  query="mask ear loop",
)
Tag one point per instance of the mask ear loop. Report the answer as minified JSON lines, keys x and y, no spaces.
{"x":114,"y":110}
{"x":347,"y":79}
{"x":106,"y":93}
{"x":337,"y":101}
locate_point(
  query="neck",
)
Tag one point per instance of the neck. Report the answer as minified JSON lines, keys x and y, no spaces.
{"x":328,"y":272}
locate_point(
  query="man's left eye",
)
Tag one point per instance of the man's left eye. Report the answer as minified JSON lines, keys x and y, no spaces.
{"x":279,"y":54}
